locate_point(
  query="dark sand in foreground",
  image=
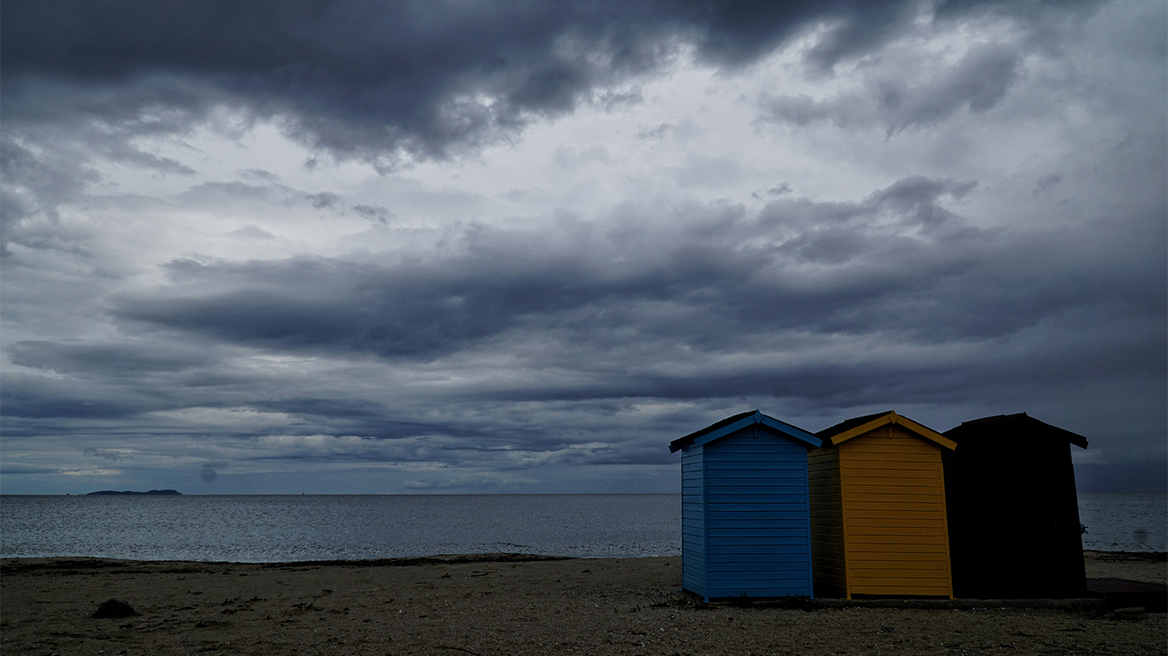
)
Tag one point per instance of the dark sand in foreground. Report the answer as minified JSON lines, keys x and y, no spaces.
{"x":505,"y":606}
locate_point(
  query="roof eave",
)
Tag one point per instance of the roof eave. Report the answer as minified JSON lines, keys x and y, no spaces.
{"x":896,"y":420}
{"x":757,"y":417}
{"x":791,"y":431}
{"x":979,"y":426}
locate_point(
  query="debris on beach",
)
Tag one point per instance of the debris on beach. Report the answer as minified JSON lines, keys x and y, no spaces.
{"x":114,"y":608}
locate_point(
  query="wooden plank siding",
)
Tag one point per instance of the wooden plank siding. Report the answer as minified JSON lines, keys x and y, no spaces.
{"x":827,"y":522}
{"x":693,"y":522}
{"x":879,"y":516}
{"x":1013,"y":475}
{"x":745,"y":509}
{"x":758,"y":534}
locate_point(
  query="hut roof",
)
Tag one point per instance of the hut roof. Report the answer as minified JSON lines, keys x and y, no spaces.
{"x":846,"y":430}
{"x":1016,"y":423}
{"x":736,"y":423}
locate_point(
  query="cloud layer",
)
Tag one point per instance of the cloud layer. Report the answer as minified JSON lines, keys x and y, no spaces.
{"x":468,"y":247}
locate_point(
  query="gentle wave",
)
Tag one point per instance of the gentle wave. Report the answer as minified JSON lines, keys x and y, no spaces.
{"x":299,"y":528}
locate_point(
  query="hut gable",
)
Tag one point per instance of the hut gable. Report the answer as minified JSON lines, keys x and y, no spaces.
{"x":878,"y":508}
{"x":865,"y":425}
{"x":1010,"y":427}
{"x":736,"y":423}
{"x":1013,"y":509}
{"x":745,"y":512}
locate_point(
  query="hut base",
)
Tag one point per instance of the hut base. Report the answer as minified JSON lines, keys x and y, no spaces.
{"x":1121,"y":593}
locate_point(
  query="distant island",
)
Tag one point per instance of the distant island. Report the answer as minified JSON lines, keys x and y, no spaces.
{"x":155,"y":493}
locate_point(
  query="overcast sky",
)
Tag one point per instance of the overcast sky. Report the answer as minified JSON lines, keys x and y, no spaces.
{"x":470,"y":246}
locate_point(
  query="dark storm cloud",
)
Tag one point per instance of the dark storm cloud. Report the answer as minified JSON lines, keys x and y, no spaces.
{"x":327,"y":200}
{"x":35,"y":397}
{"x":351,"y":77}
{"x":374,"y":213}
{"x":111,"y":381}
{"x":109,"y":359}
{"x":377,"y":80}
{"x":35,"y":184}
{"x":34,"y":405}
{"x":324,"y":199}
{"x":392,"y":82}
{"x":442,"y":340}
{"x":822,"y":304}
{"x":977,"y":83}
{"x":12,"y":470}
{"x":897,"y":264}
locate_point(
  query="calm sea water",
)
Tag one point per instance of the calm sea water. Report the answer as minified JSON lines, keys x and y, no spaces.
{"x":292,"y":528}
{"x":296,"y":528}
{"x":1124,"y":522}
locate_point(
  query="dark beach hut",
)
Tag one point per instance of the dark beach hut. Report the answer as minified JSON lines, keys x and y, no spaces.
{"x":878,"y":509}
{"x":1013,"y":513}
{"x":745,"y":515}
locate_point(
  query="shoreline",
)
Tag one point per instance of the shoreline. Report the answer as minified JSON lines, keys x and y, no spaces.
{"x":500,"y":556}
{"x":496,"y":604}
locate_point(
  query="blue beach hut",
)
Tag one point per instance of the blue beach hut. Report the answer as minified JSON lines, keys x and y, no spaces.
{"x":746,"y":519}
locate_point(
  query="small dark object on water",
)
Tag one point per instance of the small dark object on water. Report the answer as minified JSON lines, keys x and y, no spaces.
{"x":114,"y":608}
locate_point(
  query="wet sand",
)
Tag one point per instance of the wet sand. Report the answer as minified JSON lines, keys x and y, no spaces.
{"x":501,"y":604}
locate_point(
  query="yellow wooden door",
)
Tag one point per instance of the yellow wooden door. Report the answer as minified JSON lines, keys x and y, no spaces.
{"x":895,"y":532}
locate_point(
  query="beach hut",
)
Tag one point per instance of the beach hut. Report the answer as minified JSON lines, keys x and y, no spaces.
{"x":745,"y":515}
{"x":878,"y":509}
{"x":1013,"y":512}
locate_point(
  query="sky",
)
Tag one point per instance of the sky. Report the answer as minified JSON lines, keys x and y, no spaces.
{"x":477,"y":247}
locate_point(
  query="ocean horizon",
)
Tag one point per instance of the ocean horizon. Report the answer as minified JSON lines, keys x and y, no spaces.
{"x":288,"y":528}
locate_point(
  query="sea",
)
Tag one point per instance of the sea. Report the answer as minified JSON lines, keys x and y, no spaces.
{"x":337,"y":527}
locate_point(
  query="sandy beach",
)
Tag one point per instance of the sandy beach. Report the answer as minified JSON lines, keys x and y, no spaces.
{"x":501,"y":604}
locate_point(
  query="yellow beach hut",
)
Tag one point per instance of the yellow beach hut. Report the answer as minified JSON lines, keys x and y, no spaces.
{"x":878,"y":524}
